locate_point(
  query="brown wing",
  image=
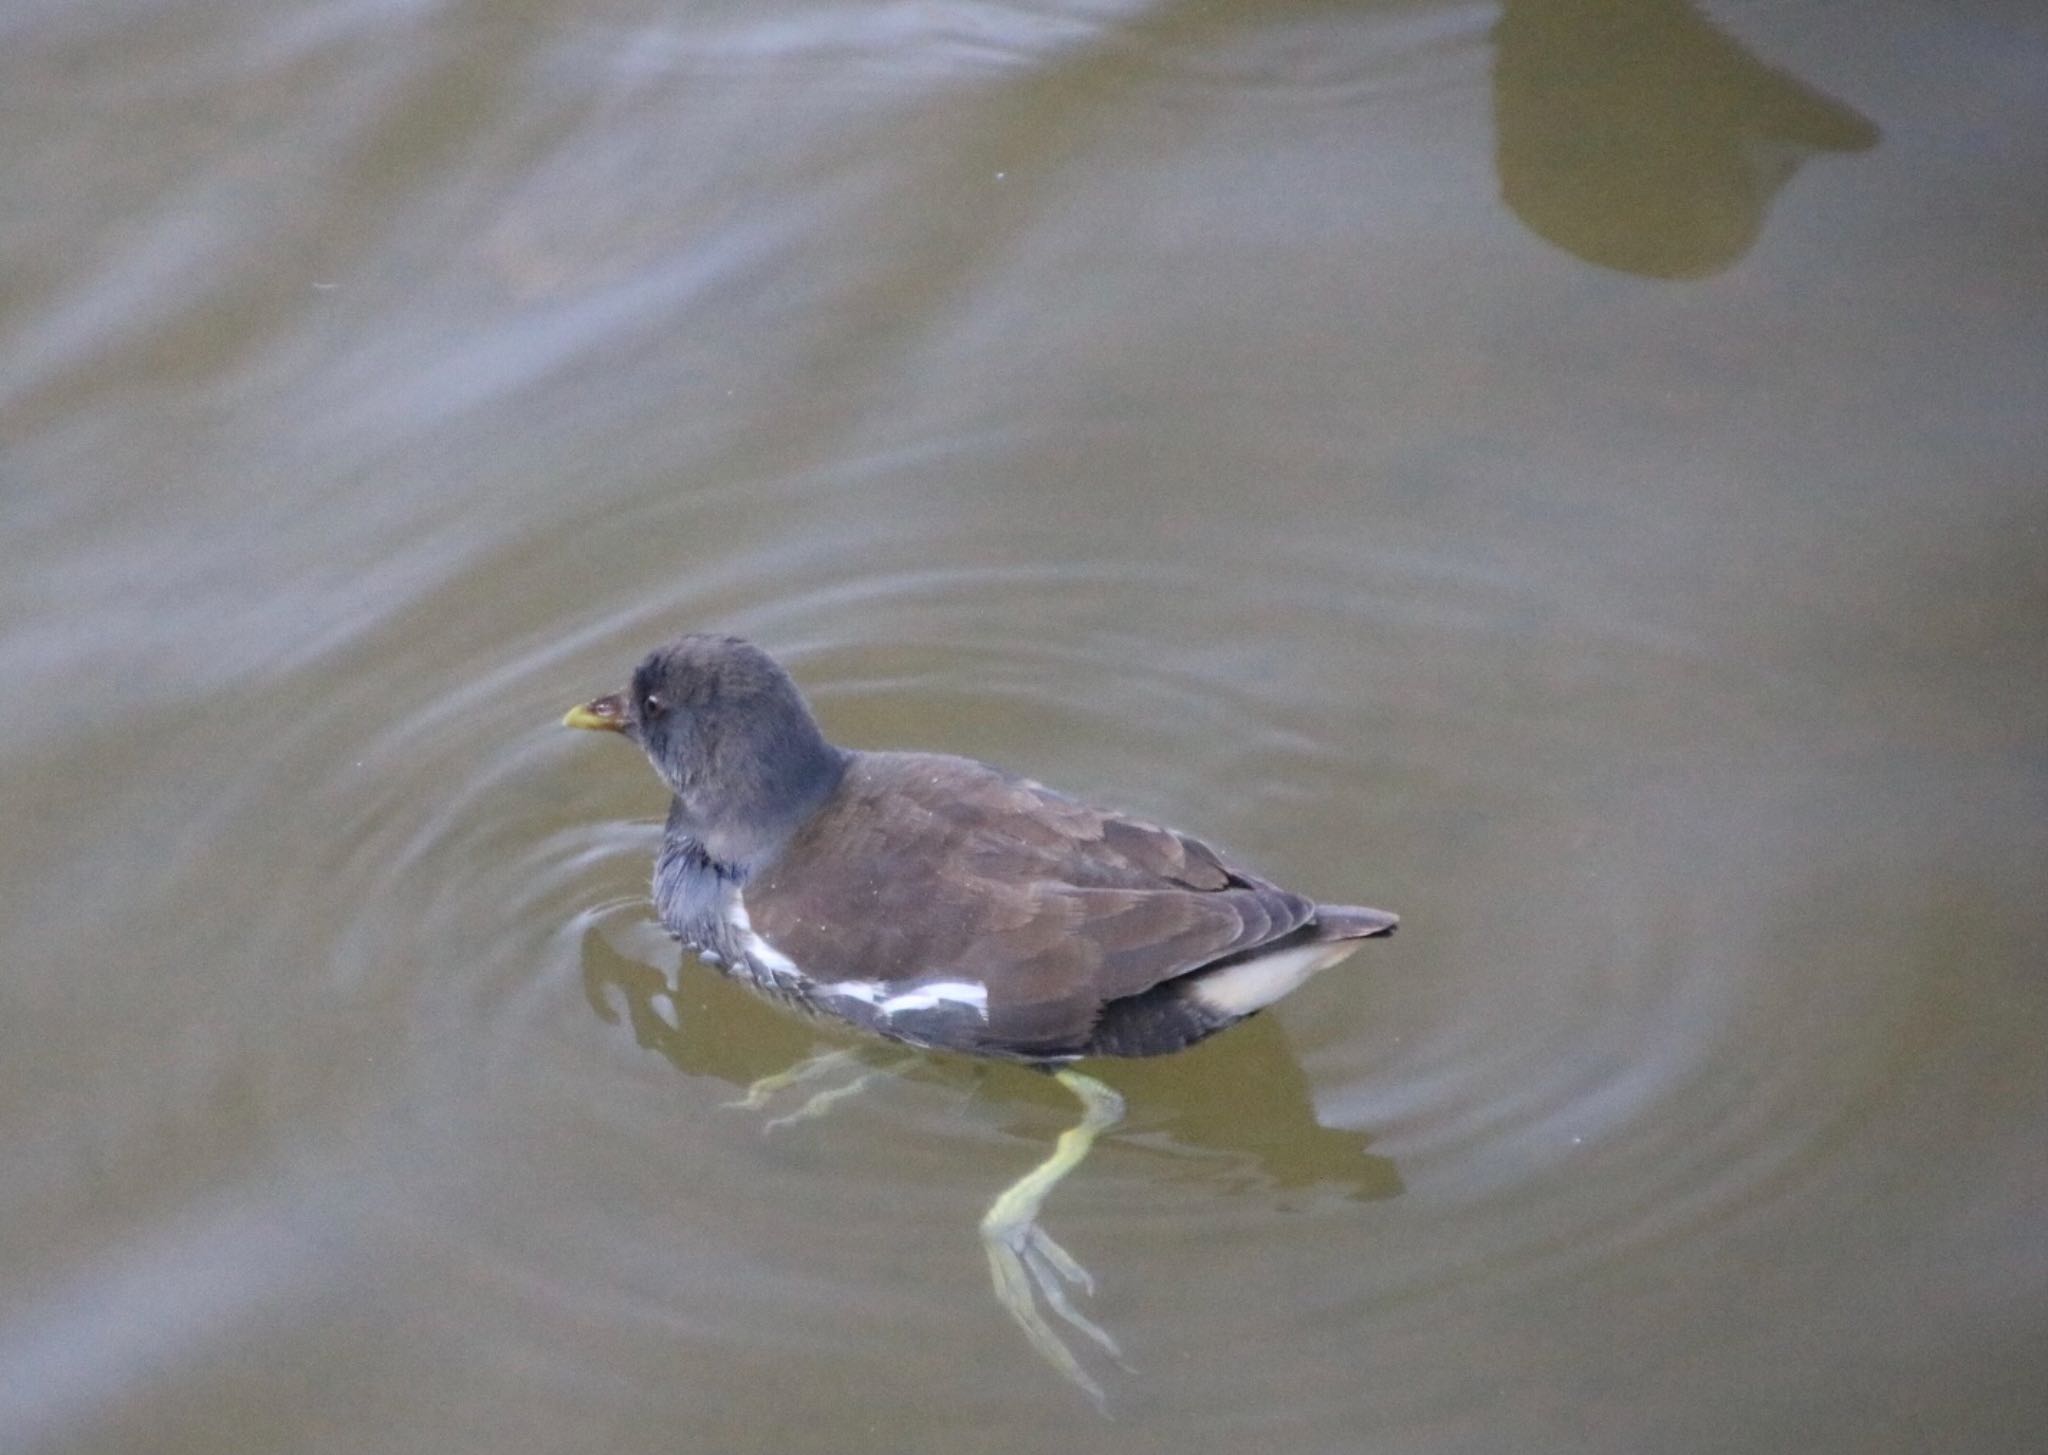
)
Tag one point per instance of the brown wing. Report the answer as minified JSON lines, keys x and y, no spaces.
{"x":924,"y":868}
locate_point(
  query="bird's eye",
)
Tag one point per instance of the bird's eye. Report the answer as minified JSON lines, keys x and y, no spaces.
{"x":652,"y":705}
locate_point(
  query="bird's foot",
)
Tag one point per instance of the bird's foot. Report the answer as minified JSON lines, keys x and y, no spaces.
{"x":1028,"y":1267}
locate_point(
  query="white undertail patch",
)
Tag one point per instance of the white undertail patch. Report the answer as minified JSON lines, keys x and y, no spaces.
{"x":1253,"y":985}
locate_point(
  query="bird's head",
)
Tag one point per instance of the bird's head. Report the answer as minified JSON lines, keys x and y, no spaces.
{"x":727,"y":730}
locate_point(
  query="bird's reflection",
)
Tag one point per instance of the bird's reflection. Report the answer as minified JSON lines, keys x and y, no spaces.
{"x":1636,"y":135}
{"x":1234,"y":1109}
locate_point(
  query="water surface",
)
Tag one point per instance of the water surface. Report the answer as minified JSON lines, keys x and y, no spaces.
{"x":1569,"y":473}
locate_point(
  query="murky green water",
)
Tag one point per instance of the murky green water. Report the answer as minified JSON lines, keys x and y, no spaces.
{"x":1572,"y":475}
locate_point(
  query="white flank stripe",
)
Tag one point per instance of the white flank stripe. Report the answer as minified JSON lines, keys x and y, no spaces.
{"x":759,"y":950}
{"x":929,"y":996}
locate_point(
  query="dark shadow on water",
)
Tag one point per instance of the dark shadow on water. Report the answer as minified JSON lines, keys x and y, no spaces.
{"x":1637,"y":135}
{"x":1233,"y":1111}
{"x":1240,"y":1099}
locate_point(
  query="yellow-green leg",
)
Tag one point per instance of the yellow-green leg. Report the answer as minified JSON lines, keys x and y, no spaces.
{"x":811,"y":1068}
{"x":1026,"y":1265}
{"x":808,"y":1069}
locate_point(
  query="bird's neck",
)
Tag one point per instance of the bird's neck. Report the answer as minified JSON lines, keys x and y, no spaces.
{"x":701,"y":863}
{"x":745,"y":822}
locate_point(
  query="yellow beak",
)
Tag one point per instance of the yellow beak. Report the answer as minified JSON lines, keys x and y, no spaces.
{"x":607,"y":714}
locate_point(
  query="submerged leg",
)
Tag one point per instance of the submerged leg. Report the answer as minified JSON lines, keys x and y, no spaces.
{"x":808,"y":1069}
{"x":820,"y":1102}
{"x":1026,"y":1265}
{"x":824,"y":1063}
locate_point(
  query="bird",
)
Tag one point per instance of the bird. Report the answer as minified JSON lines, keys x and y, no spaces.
{"x":948,"y":905}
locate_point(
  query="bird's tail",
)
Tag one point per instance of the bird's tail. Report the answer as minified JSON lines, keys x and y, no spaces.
{"x":1353,"y":922}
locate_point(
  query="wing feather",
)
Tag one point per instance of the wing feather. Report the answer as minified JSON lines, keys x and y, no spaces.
{"x":924,"y":866}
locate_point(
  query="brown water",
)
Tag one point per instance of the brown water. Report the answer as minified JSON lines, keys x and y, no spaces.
{"x":1574,"y":476}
